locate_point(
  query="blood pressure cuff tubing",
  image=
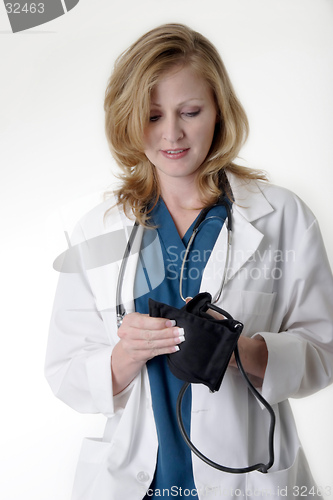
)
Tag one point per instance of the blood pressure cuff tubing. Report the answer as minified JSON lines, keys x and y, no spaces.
{"x":204,"y":356}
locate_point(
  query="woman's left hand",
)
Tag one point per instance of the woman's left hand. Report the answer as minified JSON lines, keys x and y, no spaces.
{"x":254,"y":356}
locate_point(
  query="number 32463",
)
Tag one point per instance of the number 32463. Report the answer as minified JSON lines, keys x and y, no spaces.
{"x":31,"y":8}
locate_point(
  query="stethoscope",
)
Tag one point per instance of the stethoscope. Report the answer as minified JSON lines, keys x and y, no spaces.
{"x":120,"y":308}
{"x":120,"y":311}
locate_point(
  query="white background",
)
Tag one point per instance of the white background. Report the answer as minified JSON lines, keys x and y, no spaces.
{"x":53,"y":152}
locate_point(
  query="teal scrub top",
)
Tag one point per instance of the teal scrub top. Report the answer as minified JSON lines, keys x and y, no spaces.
{"x":174,"y":471}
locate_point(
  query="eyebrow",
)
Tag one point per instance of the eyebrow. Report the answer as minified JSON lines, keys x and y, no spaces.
{"x":181,"y":103}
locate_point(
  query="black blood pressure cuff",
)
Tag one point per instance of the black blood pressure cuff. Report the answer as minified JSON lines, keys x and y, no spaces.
{"x":204,"y":356}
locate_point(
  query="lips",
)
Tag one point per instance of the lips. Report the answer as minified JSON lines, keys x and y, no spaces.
{"x":175,"y":154}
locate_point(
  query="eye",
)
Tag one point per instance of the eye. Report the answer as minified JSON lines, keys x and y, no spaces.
{"x":154,"y":118}
{"x":192,"y":114}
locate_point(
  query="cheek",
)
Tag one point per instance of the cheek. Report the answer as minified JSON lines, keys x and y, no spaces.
{"x":207,"y":134}
{"x":148,"y":139}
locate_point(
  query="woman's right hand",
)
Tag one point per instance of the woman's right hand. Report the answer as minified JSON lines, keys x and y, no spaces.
{"x":141,"y":338}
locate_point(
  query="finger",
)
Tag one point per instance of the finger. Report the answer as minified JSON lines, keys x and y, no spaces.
{"x":143,"y":350}
{"x":130,"y":330}
{"x":145,"y":321}
{"x":142,"y":345}
{"x":170,"y":336}
{"x":163,"y":351}
{"x":166,"y":333}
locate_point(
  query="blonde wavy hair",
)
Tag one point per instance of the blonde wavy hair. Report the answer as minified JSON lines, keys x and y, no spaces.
{"x":127,"y":113}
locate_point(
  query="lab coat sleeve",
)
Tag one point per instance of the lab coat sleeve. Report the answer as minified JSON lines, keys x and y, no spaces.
{"x":300,"y":357}
{"x":78,"y":356}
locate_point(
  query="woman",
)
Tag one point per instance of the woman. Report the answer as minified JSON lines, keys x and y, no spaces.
{"x":175,"y":127}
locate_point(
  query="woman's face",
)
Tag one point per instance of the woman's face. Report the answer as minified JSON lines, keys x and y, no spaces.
{"x":182,"y":123}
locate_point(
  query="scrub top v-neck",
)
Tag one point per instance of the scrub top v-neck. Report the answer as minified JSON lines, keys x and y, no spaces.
{"x":174,"y":463}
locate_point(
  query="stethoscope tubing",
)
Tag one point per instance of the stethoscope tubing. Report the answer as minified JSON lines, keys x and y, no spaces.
{"x":260,"y":467}
{"x":120,"y":308}
{"x":201,"y":220}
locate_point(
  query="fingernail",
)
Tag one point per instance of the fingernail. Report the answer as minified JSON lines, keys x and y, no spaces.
{"x":181,"y":338}
{"x":176,"y":348}
{"x":171,"y":322}
{"x":179,"y":332}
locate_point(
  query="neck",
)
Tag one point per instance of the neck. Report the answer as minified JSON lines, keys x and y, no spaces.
{"x":180,"y":194}
{"x":183,"y":202}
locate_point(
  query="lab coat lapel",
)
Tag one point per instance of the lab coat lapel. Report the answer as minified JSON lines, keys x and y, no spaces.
{"x":103,"y":279}
{"x":245,"y":241}
{"x":127,"y":290}
{"x":250,"y":204}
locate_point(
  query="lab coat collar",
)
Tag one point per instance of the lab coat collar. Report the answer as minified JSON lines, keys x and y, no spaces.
{"x":249,"y":205}
{"x":250,"y":202}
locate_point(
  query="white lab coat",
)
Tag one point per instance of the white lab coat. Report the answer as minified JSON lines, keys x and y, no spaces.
{"x":279,"y":285}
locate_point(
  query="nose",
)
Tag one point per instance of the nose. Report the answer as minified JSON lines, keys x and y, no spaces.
{"x":172,"y":131}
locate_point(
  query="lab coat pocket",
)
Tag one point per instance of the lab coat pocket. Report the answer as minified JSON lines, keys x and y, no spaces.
{"x":253,"y":309}
{"x":292,"y":482}
{"x":93,"y":479}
